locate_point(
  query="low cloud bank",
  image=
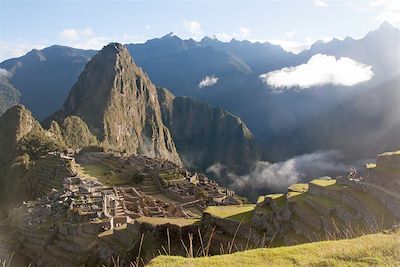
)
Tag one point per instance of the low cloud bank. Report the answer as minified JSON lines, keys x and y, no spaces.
{"x":208,"y":81}
{"x":5,"y":73}
{"x":268,"y":177}
{"x":319,"y":70}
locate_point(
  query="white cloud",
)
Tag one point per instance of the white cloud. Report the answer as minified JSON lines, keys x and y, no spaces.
{"x":69,"y":34}
{"x":276,"y":177}
{"x":208,"y":81}
{"x":297,"y":46}
{"x":5,"y":73}
{"x":357,"y":6}
{"x":290,"y":45}
{"x":290,"y":34}
{"x":8,"y":50}
{"x":133,"y":38}
{"x":242,"y":33}
{"x":319,"y":70}
{"x":82,"y":38}
{"x":193,"y":27}
{"x":224,"y":37}
{"x":389,"y":11}
{"x":320,"y":3}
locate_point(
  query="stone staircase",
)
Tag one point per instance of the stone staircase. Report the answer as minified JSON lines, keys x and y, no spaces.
{"x":148,"y":186}
{"x":120,"y":209}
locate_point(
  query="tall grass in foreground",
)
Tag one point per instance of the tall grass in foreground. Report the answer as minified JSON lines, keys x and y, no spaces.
{"x":347,"y":231}
{"x":6,"y":263}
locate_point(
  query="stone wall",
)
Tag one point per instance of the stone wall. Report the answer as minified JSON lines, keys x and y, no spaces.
{"x":230,"y":227}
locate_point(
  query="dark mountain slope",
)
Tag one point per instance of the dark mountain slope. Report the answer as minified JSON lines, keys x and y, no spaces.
{"x":44,"y":77}
{"x":9,"y":95}
{"x":206,"y":135}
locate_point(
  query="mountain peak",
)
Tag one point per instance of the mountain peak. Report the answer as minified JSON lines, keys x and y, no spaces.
{"x":119,"y":104}
{"x":386,"y":26}
{"x":117,"y":47}
{"x":114,"y":49}
{"x":15,"y":123}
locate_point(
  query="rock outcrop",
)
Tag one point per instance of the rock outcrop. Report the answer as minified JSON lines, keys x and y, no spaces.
{"x":9,"y":95}
{"x":206,"y":135}
{"x":17,"y":129}
{"x":119,"y":104}
{"x":22,"y":141}
{"x":73,"y":133}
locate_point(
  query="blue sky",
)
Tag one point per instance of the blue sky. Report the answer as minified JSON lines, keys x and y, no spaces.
{"x":294,"y":25}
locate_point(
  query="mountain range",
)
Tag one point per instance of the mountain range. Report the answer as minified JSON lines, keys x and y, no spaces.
{"x":114,"y":106}
{"x":284,"y":124}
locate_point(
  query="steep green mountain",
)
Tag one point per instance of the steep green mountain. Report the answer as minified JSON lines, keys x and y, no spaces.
{"x":73,"y":133}
{"x":20,"y":133}
{"x":119,"y":104}
{"x":206,"y":135}
{"x":9,"y":95}
{"x":22,"y":141}
{"x":27,"y":169}
{"x":45,"y":76}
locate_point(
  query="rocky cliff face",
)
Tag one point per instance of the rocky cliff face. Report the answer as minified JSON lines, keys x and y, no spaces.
{"x":15,"y":124}
{"x":206,"y":135}
{"x":22,"y":138}
{"x":119,"y":103}
{"x":73,"y":133}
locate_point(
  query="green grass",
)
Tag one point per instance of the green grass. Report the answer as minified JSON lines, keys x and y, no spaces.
{"x":328,"y":184}
{"x":99,"y":171}
{"x":296,"y":196}
{"x":327,"y":202}
{"x":323,"y":182}
{"x":298,"y":188}
{"x":369,"y":250}
{"x":234,"y":212}
{"x":171,"y":176}
{"x":260,"y":199}
{"x":161,"y":221}
{"x":370,"y":165}
{"x":278,"y":199}
{"x":396,"y":153}
{"x":377,"y":209}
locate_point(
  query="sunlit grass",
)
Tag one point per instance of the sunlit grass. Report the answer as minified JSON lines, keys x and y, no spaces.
{"x":103,"y":174}
{"x":234,"y":212}
{"x":369,"y":250}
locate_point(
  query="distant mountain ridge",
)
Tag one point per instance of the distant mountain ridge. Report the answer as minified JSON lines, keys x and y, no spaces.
{"x":44,"y":77}
{"x":114,"y":105}
{"x":180,"y":65}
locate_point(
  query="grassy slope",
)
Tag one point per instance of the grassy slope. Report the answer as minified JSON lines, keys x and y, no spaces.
{"x":369,"y":250}
{"x":235,"y":212}
{"x":100,"y":172}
